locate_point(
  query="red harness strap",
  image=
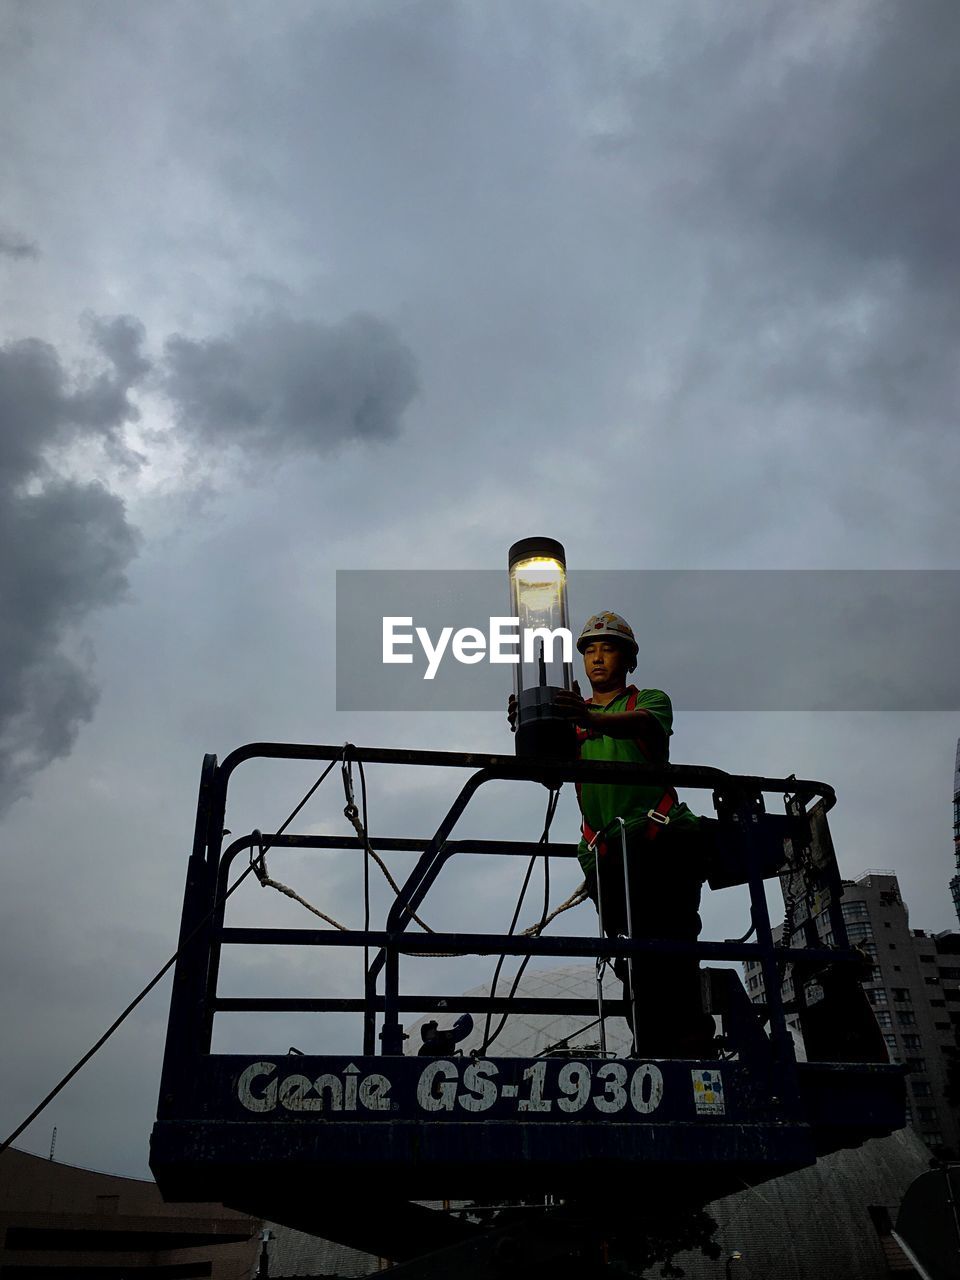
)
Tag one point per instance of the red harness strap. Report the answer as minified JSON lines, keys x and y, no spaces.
{"x":656,"y":817}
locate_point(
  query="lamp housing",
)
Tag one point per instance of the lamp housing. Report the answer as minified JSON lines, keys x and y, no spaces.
{"x":538,"y":598}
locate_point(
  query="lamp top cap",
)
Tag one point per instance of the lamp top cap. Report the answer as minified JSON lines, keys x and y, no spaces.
{"x":528,"y":548}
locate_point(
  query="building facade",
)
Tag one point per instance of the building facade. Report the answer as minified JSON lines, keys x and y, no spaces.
{"x":914,"y":989}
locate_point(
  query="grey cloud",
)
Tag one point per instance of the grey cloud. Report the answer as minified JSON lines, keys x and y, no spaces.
{"x":41,"y":405}
{"x":837,"y":123}
{"x":66,"y":543}
{"x":275,"y":384}
{"x":279,"y":384}
{"x":16,"y":246}
{"x":829,"y":140}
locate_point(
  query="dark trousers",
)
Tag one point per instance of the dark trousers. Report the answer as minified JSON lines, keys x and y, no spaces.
{"x":665,"y":880}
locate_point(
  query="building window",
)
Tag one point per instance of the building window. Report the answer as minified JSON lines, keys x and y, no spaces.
{"x":938,"y":1004}
{"x":884,"y":1018}
{"x":934,"y":1138}
{"x":932,"y":982}
{"x":890,"y":1040}
{"x":952,"y":995}
{"x":928,"y":959}
{"x":892,"y":946}
{"x":870,"y":948}
{"x":906,"y":1018}
{"x":949,"y":973}
{"x":916,"y":1065}
{"x":896,"y":968}
{"x":859,"y":933}
{"x":901,"y":995}
{"x":926,"y":1115}
{"x":854,"y":911}
{"x":875,"y":974}
{"x":912,"y":1043}
{"x":876,"y":996}
{"x":921,"y":1088}
{"x":942,"y":1026}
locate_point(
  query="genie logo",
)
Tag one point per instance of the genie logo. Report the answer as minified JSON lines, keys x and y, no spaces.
{"x":259,"y":1091}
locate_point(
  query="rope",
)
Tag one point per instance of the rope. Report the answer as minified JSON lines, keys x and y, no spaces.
{"x":266,"y":882}
{"x":352,"y":814}
{"x":579,"y":895}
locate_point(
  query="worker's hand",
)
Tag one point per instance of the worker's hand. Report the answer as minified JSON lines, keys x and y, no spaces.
{"x":570,"y":702}
{"x":512,"y":712}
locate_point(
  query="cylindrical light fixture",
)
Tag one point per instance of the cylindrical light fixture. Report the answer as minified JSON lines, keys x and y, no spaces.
{"x":538,"y":598}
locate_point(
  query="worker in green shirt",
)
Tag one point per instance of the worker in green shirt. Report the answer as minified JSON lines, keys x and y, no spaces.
{"x":664,"y":841}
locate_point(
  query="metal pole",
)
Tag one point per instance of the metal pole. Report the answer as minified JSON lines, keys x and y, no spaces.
{"x":634,"y":1006}
{"x":601,"y":960}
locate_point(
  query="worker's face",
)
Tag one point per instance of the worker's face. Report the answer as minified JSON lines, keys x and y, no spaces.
{"x":605,"y":663}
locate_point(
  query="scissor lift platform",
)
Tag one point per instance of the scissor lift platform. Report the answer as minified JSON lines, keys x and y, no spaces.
{"x":315,"y":1141}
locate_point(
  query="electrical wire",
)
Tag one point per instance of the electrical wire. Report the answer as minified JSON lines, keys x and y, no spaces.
{"x":78,"y":1066}
{"x":489,"y":1038}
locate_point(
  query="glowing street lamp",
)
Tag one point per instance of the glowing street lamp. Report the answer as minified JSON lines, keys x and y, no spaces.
{"x":538,"y":597}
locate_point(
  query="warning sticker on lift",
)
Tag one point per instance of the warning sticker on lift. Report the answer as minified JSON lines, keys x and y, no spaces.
{"x":708,"y":1092}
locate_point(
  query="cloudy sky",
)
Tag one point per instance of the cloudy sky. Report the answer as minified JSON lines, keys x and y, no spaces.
{"x":348,"y":285}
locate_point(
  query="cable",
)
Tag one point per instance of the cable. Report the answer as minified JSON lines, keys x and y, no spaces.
{"x":366,"y":873}
{"x":153,"y":981}
{"x":489,"y":1038}
{"x":351,"y":813}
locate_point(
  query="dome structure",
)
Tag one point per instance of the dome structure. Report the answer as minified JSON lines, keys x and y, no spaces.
{"x":526,"y":1035}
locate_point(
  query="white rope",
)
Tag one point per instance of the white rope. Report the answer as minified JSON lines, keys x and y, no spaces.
{"x":579,"y":895}
{"x":260,"y":871}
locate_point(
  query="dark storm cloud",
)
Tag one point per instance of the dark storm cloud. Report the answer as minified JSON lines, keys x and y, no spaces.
{"x":66,"y":543}
{"x":278,"y":384}
{"x":16,"y":246}
{"x":42,"y":406}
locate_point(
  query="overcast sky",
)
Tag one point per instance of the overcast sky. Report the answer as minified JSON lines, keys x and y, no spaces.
{"x":296,"y":288}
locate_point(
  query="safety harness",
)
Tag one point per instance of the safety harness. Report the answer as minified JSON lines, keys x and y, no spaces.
{"x":657,"y":817}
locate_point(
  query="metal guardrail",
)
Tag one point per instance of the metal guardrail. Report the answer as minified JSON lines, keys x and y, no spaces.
{"x":739,"y":796}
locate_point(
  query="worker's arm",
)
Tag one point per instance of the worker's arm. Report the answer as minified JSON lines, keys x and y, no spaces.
{"x":637,"y":724}
{"x":626,"y":724}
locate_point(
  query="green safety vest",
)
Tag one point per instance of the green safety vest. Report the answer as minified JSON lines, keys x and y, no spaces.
{"x":601,"y":802}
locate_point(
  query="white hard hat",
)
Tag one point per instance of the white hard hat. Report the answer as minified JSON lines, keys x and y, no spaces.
{"x":609,"y":626}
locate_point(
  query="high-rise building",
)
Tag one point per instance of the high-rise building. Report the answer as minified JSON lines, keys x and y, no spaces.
{"x":914,"y":989}
{"x":955,"y":882}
